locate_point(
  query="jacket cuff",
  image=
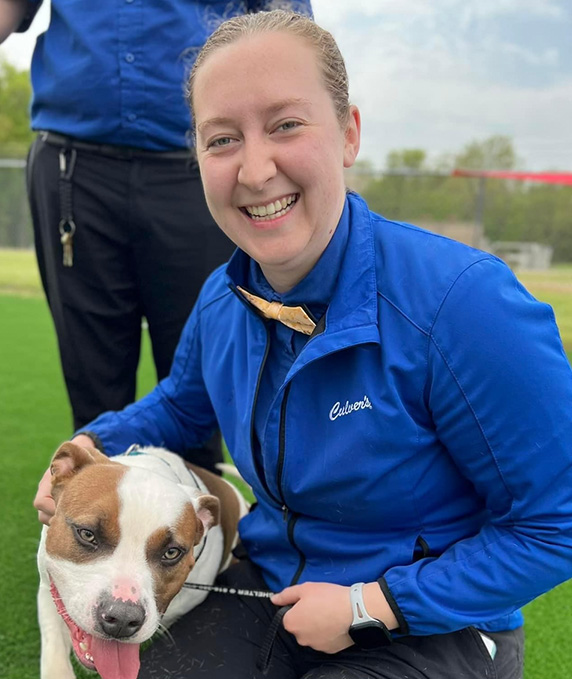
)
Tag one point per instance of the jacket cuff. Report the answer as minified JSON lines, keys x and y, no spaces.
{"x":403,"y":628}
{"x":94,"y":437}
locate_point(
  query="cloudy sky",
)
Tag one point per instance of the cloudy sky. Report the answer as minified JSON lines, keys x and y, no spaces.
{"x":437,"y":74}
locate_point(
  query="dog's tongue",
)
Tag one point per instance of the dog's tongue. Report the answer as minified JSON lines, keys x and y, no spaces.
{"x":114,"y":659}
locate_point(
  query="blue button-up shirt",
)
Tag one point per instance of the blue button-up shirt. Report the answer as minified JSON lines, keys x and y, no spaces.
{"x":115,"y":71}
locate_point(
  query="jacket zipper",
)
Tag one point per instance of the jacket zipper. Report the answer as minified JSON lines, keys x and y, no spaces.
{"x":421,"y":549}
{"x":287,"y":514}
{"x":258,"y":467}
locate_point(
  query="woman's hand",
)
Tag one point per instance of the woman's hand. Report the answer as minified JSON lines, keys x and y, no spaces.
{"x":321,"y":613}
{"x":44,"y":502}
{"x":320,"y":617}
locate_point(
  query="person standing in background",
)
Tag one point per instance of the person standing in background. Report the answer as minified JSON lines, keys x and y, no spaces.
{"x":122,"y":231}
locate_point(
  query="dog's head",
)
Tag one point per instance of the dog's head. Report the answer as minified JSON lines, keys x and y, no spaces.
{"x":118,"y":549}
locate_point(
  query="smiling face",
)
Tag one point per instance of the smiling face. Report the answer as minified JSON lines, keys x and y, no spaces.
{"x":272,"y":152}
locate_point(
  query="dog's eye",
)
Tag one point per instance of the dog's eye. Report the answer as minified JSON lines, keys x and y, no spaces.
{"x":86,"y":537}
{"x":172,"y":555}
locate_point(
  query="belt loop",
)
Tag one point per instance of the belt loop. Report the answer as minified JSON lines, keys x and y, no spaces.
{"x":66,"y":169}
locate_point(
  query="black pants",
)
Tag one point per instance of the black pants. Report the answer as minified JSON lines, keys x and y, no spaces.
{"x":143,"y":246}
{"x":222,"y":638}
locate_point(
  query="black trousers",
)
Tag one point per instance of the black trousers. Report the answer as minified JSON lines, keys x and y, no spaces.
{"x":222,"y":639}
{"x":143,"y":246}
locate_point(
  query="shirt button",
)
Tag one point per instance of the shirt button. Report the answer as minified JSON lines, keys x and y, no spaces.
{"x":132,"y":117}
{"x":129,"y":58}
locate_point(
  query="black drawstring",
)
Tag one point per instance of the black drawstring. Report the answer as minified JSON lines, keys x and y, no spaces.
{"x":263,"y":660}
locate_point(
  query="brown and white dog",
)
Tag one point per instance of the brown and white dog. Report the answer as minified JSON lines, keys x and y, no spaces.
{"x":127,"y":533}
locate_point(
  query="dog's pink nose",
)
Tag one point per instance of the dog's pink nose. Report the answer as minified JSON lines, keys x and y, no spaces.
{"x":118,"y":618}
{"x":126,"y":590}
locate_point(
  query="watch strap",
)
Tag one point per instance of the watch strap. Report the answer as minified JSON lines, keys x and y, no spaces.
{"x":359,"y":611}
{"x":366,"y":632}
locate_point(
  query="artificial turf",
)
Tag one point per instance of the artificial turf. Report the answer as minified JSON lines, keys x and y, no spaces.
{"x":35,"y":418}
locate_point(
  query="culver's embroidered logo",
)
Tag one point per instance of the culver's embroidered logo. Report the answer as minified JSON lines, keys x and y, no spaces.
{"x":339,"y":410}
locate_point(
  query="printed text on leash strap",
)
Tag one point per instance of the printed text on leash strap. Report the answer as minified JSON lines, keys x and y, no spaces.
{"x":230,"y":590}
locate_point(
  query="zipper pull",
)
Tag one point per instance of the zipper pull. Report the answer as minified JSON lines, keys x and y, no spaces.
{"x":285,"y":512}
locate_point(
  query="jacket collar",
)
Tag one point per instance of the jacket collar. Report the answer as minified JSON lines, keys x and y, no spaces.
{"x":354,"y":303}
{"x":353,"y":306}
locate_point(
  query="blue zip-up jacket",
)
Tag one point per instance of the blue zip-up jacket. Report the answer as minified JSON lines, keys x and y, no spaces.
{"x":115,"y":71}
{"x":422,"y":438}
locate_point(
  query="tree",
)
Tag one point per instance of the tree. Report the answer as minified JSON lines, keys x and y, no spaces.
{"x":494,"y":153}
{"x":406,"y":159}
{"x":15,"y":95}
{"x":15,"y":138}
{"x":493,"y":200}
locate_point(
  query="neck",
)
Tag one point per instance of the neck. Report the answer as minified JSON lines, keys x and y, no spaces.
{"x":280,"y":281}
{"x":283,"y":278}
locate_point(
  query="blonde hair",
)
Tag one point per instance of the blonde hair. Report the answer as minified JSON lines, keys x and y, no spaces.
{"x":330,"y":59}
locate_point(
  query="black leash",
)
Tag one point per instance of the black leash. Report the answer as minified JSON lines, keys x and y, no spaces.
{"x":263,"y":660}
{"x":258,"y":593}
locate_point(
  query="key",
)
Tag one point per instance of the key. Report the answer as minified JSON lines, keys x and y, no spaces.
{"x":67,"y":230}
{"x":67,"y":242}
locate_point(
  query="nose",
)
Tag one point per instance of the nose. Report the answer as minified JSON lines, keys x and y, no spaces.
{"x":257,"y":165}
{"x":119,"y":619}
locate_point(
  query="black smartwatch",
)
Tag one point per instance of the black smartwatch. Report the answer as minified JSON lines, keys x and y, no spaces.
{"x":365,"y":631}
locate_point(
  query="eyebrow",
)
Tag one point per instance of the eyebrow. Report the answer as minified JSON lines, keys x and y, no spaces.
{"x":273,"y":109}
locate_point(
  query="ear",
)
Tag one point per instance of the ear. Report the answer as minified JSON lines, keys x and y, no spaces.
{"x":69,"y":459}
{"x":352,"y":137}
{"x":208,"y":510}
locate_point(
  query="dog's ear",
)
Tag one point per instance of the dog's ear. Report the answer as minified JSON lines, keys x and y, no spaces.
{"x":68,"y":459}
{"x":207,"y":508}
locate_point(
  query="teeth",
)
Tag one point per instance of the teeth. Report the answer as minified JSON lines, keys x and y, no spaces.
{"x":278,"y":207}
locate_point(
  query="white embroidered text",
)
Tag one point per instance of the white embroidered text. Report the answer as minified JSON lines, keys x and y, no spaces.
{"x":339,"y":411}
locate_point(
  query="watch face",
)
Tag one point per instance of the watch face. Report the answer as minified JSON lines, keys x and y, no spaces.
{"x":372,"y":634}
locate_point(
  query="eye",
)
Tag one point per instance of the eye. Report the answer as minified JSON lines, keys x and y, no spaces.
{"x":288,"y":125}
{"x":86,"y":536}
{"x":172,"y":555}
{"x":219,"y":143}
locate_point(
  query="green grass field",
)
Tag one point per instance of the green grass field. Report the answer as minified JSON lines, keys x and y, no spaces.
{"x":35,"y":418}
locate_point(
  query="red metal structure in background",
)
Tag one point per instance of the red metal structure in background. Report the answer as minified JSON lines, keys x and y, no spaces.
{"x":564,"y":178}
